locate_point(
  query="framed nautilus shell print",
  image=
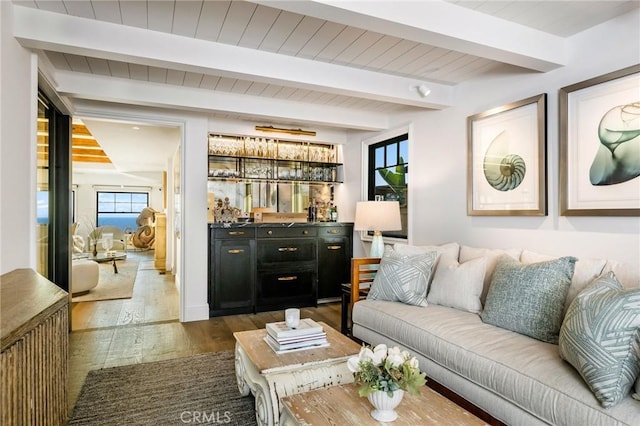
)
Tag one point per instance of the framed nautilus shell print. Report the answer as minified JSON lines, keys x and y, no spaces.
{"x":600,"y":145}
{"x":506,"y":160}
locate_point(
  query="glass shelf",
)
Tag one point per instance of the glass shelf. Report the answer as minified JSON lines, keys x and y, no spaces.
{"x":223,"y":167}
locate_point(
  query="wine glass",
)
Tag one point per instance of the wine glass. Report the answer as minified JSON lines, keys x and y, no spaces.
{"x":107,"y":241}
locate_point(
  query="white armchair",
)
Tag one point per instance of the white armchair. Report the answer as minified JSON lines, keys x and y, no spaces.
{"x":119,"y":238}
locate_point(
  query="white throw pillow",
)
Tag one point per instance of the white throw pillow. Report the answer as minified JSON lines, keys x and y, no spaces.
{"x":467,"y":253}
{"x":458,"y":285}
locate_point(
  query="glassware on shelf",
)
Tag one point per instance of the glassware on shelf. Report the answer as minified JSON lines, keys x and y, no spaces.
{"x":226,"y":145}
{"x":251,"y":146}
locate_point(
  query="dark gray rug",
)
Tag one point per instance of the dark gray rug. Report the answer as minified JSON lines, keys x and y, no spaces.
{"x":199,"y":389}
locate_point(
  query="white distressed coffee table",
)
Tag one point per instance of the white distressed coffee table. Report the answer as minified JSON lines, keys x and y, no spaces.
{"x":269,"y":376}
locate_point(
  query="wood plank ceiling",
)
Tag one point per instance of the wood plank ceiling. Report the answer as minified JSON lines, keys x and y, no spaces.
{"x":287,"y":28}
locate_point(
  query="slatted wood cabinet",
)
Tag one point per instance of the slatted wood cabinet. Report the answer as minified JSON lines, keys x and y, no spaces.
{"x":35,"y":345}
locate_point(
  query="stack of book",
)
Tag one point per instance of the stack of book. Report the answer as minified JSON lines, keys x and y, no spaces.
{"x":308,"y":335}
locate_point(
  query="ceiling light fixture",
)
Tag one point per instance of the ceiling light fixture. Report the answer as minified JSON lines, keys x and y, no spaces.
{"x":423,"y":90}
{"x":289,"y":131}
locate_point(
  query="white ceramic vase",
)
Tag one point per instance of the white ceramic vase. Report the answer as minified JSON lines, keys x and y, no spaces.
{"x":385,"y":405}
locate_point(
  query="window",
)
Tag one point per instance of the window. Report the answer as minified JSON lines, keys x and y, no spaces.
{"x":121,"y":209}
{"x":388,"y":176}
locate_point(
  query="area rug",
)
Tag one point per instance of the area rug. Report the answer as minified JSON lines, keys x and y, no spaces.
{"x":147,"y":265}
{"x":111,"y":285}
{"x":190,"y":390}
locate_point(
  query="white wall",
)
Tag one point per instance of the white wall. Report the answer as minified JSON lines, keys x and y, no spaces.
{"x":18,"y":112}
{"x":439,"y":166}
{"x":194,"y":229}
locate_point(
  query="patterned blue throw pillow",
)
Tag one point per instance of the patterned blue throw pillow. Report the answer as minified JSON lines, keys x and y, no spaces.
{"x":600,"y":337}
{"x":529,"y":298}
{"x":402,"y":278}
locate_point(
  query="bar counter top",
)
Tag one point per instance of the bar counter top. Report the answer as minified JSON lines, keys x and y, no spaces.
{"x":221,"y":225}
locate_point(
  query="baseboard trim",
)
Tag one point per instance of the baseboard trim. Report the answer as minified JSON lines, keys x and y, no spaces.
{"x":195,"y":313}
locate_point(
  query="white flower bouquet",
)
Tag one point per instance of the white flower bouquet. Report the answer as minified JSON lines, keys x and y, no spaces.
{"x":386,"y":369}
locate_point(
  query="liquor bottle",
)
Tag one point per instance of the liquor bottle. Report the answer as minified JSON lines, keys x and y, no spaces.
{"x":312,"y":216}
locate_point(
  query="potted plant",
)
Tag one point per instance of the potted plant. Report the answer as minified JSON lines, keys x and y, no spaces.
{"x":384,"y":374}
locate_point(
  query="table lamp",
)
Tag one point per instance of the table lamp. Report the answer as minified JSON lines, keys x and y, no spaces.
{"x":377,"y":216}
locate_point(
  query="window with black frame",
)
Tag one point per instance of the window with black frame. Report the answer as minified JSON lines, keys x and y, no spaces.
{"x":388,"y":176}
{"x":121,"y":209}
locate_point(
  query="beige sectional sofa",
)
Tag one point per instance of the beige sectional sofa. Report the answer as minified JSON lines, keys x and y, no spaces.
{"x":517,"y":379}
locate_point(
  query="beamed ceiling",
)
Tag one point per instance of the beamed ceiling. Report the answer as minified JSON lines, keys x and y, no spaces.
{"x":344,"y":65}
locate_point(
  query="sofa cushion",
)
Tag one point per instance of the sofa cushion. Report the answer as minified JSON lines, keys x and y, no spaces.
{"x":586,"y":270}
{"x":468,"y":253}
{"x":403,"y":278}
{"x":526,"y":372}
{"x":458,"y":285}
{"x":529,"y":299}
{"x":600,"y":337}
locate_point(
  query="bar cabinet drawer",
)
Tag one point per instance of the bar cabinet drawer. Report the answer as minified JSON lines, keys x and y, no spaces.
{"x":227,"y":233}
{"x":286,"y":250}
{"x":333,"y":231}
{"x":285,"y":285}
{"x":282,"y":232}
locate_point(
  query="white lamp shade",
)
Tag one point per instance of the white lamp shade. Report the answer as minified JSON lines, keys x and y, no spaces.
{"x":378,"y":216}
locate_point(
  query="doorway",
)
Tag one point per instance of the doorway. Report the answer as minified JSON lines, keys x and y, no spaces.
{"x":126,"y":158}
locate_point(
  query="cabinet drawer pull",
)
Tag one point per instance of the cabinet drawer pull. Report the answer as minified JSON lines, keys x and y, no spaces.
{"x":288,"y":249}
{"x":305,"y":232}
{"x":236,"y":232}
{"x":289,"y":278}
{"x":269,"y":232}
{"x":333,"y":231}
{"x":235,"y":251}
{"x":334,"y":247}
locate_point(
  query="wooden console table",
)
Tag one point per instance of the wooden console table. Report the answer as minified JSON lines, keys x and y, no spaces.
{"x":34,"y":336}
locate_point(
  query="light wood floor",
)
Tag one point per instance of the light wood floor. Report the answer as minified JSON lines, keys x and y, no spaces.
{"x":145,"y":328}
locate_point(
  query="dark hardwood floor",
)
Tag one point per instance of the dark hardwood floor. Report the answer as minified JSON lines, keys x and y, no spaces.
{"x":146,"y":328}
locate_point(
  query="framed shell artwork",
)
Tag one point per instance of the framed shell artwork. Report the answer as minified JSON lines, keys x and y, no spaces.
{"x":600,"y":145}
{"x":506,"y":160}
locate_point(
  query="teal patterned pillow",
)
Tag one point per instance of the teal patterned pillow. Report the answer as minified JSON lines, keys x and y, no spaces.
{"x":403,"y":278}
{"x":529,"y":299}
{"x":600,"y":337}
